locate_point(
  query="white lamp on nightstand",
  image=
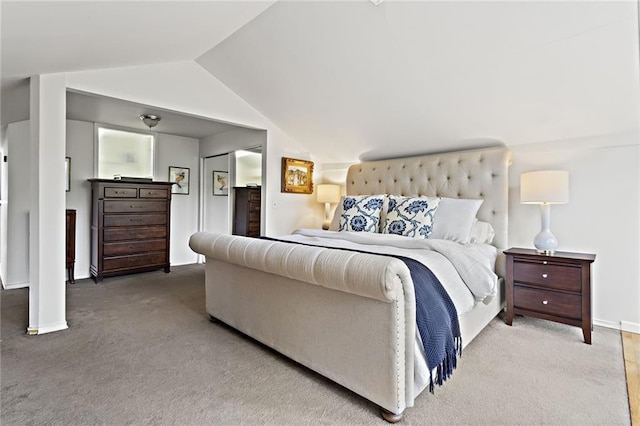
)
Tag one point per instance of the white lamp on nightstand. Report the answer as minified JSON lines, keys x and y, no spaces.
{"x":545,"y":187}
{"x":327,"y":193}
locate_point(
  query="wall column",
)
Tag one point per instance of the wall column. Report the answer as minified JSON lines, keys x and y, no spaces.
{"x":47,"y":289}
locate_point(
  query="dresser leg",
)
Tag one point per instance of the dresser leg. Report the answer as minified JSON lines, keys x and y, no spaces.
{"x":586,"y":332}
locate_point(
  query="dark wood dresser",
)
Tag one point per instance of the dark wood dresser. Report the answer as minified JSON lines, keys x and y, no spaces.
{"x":554,"y":287}
{"x":246,"y":212}
{"x":130,"y":226}
{"x":71,"y":244}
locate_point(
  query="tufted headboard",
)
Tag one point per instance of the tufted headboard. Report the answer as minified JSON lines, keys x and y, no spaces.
{"x":479,"y":173}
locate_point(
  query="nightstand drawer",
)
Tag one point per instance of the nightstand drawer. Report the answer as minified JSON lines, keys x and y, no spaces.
{"x":559,"y":277}
{"x":548,"y":302}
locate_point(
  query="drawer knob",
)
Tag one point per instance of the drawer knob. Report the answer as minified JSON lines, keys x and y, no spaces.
{"x":544,"y":262}
{"x":545,"y":275}
{"x":545,"y":302}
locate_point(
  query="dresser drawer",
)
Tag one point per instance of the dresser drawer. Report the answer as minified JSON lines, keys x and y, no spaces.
{"x":120,"y":192}
{"x":560,"y":277}
{"x":548,"y":302}
{"x":254,"y":206}
{"x":134,"y":247}
{"x":154,"y":193}
{"x":134,"y":233}
{"x":254,"y":196}
{"x":135,"y":219}
{"x":134,"y":206}
{"x":127,"y":262}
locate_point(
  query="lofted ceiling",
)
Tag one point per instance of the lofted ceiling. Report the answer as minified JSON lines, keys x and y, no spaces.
{"x":352,"y":80}
{"x":40,"y":37}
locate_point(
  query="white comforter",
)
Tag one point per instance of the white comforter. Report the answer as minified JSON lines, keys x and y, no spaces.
{"x":465,"y":271}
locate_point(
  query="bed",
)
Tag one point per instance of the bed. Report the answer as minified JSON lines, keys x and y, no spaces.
{"x":351,"y":315}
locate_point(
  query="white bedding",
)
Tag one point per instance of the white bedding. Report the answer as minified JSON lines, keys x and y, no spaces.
{"x":465,"y":271}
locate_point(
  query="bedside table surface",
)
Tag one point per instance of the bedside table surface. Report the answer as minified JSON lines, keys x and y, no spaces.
{"x":516,"y":251}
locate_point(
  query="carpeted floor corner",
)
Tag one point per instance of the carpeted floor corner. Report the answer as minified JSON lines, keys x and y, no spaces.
{"x":140,"y":350}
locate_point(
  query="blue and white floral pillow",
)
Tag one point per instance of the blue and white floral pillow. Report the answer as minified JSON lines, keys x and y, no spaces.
{"x":361,"y":213}
{"x":411,"y":217}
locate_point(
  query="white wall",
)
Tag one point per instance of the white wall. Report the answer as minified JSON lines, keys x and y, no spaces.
{"x":180,"y":151}
{"x":80,"y":147}
{"x":15,"y":270}
{"x":170,"y":151}
{"x":4,"y":143}
{"x":186,"y":87}
{"x":602,"y":216}
{"x":217,"y":209}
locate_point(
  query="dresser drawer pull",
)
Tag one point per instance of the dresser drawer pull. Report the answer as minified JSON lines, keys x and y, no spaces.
{"x":544,"y":262}
{"x":545,"y":275}
{"x":133,"y":206}
{"x":545,"y":302}
{"x":135,"y":220}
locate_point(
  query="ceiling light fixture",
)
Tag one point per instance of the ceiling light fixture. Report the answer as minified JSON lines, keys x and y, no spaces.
{"x":376,"y":2}
{"x":150,"y":120}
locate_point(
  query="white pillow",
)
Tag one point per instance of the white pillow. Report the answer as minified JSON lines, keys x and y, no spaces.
{"x":410,"y":216}
{"x":358,"y":213}
{"x":481,"y":233}
{"x":454,"y":218}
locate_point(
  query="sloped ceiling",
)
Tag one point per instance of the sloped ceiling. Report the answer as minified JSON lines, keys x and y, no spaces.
{"x":41,"y":37}
{"x":352,"y":80}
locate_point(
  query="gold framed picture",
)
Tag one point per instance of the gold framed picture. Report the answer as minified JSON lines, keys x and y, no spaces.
{"x":297,"y":176}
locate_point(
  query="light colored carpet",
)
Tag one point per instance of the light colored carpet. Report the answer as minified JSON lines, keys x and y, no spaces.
{"x":141,"y":350}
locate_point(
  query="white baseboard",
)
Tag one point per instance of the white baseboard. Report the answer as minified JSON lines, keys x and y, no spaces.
{"x":184,"y":263}
{"x":50,"y":328}
{"x":608,"y":324}
{"x":15,"y":285}
{"x":631,"y":327}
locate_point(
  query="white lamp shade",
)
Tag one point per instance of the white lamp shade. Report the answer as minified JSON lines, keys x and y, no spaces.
{"x":328,"y":193}
{"x":544,"y":187}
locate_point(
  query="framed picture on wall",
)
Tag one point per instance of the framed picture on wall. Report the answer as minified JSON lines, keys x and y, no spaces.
{"x":179,"y":176}
{"x":297,"y":176}
{"x":67,"y":173}
{"x":220,"y":183}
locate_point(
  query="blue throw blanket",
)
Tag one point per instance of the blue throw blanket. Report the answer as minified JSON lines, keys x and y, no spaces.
{"x":436,"y":317}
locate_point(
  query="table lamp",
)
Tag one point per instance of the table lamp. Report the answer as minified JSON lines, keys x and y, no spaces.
{"x":327,"y":193}
{"x":545,"y":187}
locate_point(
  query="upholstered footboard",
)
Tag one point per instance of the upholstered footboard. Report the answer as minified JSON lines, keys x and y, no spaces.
{"x":348,"y":316}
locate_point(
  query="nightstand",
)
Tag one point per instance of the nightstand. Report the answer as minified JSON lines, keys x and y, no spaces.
{"x":554,"y":287}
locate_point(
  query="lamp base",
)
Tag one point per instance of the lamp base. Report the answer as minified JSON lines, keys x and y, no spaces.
{"x":545,"y":242}
{"x":545,"y":252}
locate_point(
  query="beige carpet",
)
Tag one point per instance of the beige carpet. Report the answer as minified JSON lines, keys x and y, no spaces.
{"x":140,"y":350}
